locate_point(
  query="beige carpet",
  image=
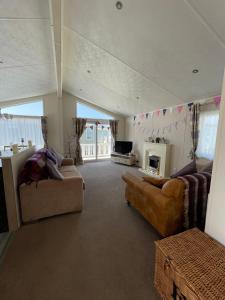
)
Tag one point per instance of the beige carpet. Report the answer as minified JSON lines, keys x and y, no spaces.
{"x":104,"y":253}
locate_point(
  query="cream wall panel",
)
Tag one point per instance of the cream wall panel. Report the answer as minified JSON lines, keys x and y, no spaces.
{"x":215,"y":219}
{"x":180,"y":138}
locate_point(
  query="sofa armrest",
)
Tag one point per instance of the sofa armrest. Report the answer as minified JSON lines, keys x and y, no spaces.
{"x":67,"y":162}
{"x":159,"y":182}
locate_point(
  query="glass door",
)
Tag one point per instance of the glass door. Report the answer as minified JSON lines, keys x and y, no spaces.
{"x":104,"y":141}
{"x":96,"y":141}
{"x":88,"y":142}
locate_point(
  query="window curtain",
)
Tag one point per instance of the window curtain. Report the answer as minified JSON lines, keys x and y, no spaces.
{"x":114,"y":128}
{"x":13,"y":129}
{"x":44,"y":129}
{"x":78,"y":128}
{"x":194,"y":129}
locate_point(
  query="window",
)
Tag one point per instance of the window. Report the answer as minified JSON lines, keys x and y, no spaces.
{"x":23,"y":122}
{"x":208,"y":124}
{"x":27,"y":109}
{"x":85,"y":111}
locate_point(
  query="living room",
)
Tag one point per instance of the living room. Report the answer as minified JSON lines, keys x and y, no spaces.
{"x":119,"y":108}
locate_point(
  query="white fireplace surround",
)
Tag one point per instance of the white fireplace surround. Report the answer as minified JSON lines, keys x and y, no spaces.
{"x":160,"y":150}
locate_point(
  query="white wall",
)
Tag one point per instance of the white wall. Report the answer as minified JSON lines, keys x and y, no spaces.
{"x":180,"y":138}
{"x":215,"y":220}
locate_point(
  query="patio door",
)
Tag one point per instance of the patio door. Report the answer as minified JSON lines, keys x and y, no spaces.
{"x":96,"y":141}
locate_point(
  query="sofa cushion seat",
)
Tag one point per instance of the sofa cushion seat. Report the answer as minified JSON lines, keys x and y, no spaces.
{"x":69,"y":169}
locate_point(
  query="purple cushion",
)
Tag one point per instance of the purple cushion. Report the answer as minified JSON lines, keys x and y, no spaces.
{"x":48,"y":154}
{"x":34,"y":169}
{"x":58,"y":157}
{"x":187,"y":170}
{"x":53,"y":170}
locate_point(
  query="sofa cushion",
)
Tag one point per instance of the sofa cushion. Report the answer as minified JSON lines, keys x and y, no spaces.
{"x":73,"y":172}
{"x":59,"y":157}
{"x":208,"y":168}
{"x":53,"y":170}
{"x":201,"y":163}
{"x":159,"y":182}
{"x":34,"y":169}
{"x":187,"y":170}
{"x":48,"y":154}
{"x":174,"y":188}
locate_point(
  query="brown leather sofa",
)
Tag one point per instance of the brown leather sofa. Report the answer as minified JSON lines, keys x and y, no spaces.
{"x":160,"y":201}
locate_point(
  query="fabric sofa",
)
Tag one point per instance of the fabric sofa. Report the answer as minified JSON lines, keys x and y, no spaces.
{"x":160,"y":201}
{"x":50,"y":197}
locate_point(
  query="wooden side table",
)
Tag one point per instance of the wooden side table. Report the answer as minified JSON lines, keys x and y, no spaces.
{"x":190,"y":266}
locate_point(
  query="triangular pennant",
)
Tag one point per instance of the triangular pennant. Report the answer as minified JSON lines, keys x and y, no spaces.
{"x":217,"y":101}
{"x":164,"y":111}
{"x":157,"y":112}
{"x":190,"y":105}
{"x":179,"y":108}
{"x":146,"y":115}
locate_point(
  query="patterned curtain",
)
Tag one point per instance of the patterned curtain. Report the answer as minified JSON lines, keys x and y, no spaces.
{"x":195,"y":129}
{"x":78,"y":128}
{"x":44,"y":130}
{"x":114,"y":128}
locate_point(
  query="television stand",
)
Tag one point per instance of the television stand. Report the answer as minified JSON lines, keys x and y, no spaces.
{"x":124,"y":159}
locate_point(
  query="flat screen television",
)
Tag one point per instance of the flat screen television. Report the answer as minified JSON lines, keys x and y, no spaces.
{"x":123,"y":147}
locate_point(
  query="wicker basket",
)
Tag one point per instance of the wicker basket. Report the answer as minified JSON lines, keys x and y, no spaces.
{"x":190,"y":265}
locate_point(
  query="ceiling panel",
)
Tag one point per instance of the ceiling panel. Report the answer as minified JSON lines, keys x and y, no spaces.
{"x":26,"y":51}
{"x":212,"y":13}
{"x":84,"y":87}
{"x":25,"y":42}
{"x":81,"y":56}
{"x":24,"y":9}
{"x":25,"y":82}
{"x":162,"y":40}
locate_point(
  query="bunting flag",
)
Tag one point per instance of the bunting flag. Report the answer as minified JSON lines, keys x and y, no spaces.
{"x":180,"y":108}
{"x":190,"y":106}
{"x":157,"y":112}
{"x":217,"y":101}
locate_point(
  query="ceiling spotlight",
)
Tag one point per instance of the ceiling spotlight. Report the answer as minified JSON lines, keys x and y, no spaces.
{"x":81,"y":90}
{"x":89,"y":71}
{"x":119,"y":5}
{"x":1,"y":61}
{"x":195,"y":71}
{"x":138,"y":98}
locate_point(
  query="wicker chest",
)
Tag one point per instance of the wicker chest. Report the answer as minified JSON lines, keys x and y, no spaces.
{"x":190,"y":265}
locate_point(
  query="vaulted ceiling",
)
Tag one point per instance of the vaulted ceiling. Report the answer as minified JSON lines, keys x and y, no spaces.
{"x":135,"y":59}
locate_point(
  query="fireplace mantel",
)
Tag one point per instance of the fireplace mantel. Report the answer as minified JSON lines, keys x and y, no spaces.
{"x":160,"y":150}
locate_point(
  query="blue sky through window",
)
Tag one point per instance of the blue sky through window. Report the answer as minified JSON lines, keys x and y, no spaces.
{"x":27,"y":109}
{"x":85,"y":111}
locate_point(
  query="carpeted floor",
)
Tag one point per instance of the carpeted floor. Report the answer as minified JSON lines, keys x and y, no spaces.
{"x":104,"y":253}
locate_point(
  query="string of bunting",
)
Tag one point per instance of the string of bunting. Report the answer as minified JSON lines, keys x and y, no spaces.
{"x":163,"y":112}
{"x":178,"y":108}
